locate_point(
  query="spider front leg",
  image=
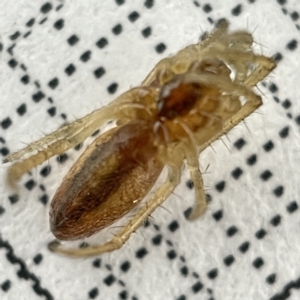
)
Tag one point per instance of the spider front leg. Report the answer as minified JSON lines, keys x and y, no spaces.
{"x":161,"y":194}
{"x":72,"y":134}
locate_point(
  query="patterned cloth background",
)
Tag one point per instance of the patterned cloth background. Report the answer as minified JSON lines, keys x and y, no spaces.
{"x":60,"y":60}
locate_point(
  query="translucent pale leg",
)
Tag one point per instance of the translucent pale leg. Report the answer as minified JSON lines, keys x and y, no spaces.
{"x":68,"y":136}
{"x":195,"y":174}
{"x":122,"y":236}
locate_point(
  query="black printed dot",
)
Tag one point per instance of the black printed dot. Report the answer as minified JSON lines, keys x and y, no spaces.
{"x":244,"y":247}
{"x":59,"y":24}
{"x":133,"y":16}
{"x":95,"y":132}
{"x":84,"y":57}
{"x":46,"y":7}
{"x":273,"y":88}
{"x":294,"y":16}
{"x":284,"y":132}
{"x":13,"y":198}
{"x":268,"y":146}
{"x":236,"y":173}
{"x":99,"y":72}
{"x":236,"y":10}
{"x":6,"y":123}
{"x":125,"y":266}
{"x":220,"y":186}
{"x":160,"y":48}
{"x":197,"y":287}
{"x":62,"y":158}
{"x":181,"y":297}
{"x":146,"y":32}
{"x":207,"y":8}
{"x":21,"y":110}
{"x":30,"y":22}
{"x":123,"y":295}
{"x":252,"y":159}
{"x":188,"y":212}
{"x":120,"y":2}
{"x":45,"y":171}
{"x":157,"y":240}
{"x":278,"y":57}
{"x":53,"y":83}
{"x":109,"y":280}
{"x":93,"y":293}
{"x":97,"y":263}
{"x":275,"y":221}
{"x":4,"y":151}
{"x":2,"y":210}
{"x":171,"y":254}
{"x":239,"y":144}
{"x":51,"y":111}
{"x":218,"y":215}
{"x":258,"y":263}
{"x":117,"y":29}
{"x":149,"y":3}
{"x":12,"y":63}
{"x":292,"y":207}
{"x":212,"y":274}
{"x":196,"y":4}
{"x":102,"y":43}
{"x":70,"y":69}
{"x":38,"y":96}
{"x":147,"y":223}
{"x":260,"y":234}
{"x":73,"y":39}
{"x":173,"y":226}
{"x":281,"y":1}
{"x":5,"y":286}
{"x":43,"y":21}
{"x":15,"y":35}
{"x":141,"y":253}
{"x":228,"y":260}
{"x":278,"y":191}
{"x":38,"y":258}
{"x":25,"y":79}
{"x":27,"y":34}
{"x":231,"y":231}
{"x":271,"y":279}
{"x":44,"y":199}
{"x":30,"y":184}
{"x":266,"y":175}
{"x":298,"y":120}
{"x":190,"y":184}
{"x":292,"y":45}
{"x":286,"y":104}
{"x":184,"y":271}
{"x":112,"y":88}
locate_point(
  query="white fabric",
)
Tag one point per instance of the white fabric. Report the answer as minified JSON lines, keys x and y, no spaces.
{"x":248,"y":203}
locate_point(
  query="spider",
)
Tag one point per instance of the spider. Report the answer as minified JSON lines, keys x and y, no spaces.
{"x":186,"y":102}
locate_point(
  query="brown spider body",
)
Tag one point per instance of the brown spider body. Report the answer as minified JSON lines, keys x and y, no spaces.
{"x":185,"y":103}
{"x":110,"y":178}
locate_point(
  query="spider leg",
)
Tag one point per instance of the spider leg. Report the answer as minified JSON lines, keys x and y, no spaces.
{"x":122,"y":236}
{"x":69,"y":136}
{"x":192,"y":158}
